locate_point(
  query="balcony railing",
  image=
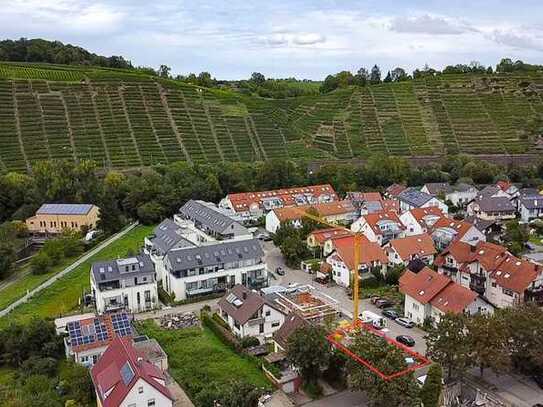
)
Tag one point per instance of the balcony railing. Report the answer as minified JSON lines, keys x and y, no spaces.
{"x":477,"y":283}
{"x":534,"y":294}
{"x":256,"y":321}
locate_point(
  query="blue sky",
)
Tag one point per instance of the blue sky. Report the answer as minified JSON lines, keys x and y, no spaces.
{"x":306,"y":39}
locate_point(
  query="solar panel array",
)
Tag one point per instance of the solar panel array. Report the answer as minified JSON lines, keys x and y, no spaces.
{"x":65,"y":209}
{"x":121,"y":324}
{"x":87,"y":334}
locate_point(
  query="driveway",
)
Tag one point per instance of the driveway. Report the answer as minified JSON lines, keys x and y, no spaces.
{"x":274,"y":259}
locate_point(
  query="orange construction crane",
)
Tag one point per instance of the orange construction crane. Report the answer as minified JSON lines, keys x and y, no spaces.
{"x":356,"y":258}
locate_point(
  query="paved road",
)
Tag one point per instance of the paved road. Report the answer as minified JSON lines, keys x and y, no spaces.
{"x":67,"y":270}
{"x":275,"y":259}
{"x":345,"y":398}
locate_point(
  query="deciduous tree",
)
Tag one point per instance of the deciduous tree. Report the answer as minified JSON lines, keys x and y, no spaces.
{"x":309,"y":351}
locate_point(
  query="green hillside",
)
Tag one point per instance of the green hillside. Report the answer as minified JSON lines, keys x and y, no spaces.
{"x":124,"y":119}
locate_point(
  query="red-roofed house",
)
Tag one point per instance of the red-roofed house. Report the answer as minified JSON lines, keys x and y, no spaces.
{"x":318,"y":238}
{"x":123,"y":377}
{"x":420,"y":220}
{"x":333,"y":212}
{"x":431,"y":295}
{"x":446,"y":230}
{"x":508,"y":188}
{"x":394,"y":190}
{"x":403,"y":250}
{"x":342,"y":259}
{"x":491,"y":271}
{"x":255,"y":204}
{"x":380,"y":227}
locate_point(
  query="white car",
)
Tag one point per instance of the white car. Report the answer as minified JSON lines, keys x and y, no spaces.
{"x":403,"y":321}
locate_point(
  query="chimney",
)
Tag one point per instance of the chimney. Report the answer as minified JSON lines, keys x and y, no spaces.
{"x":244,"y":295}
{"x":139,"y":360}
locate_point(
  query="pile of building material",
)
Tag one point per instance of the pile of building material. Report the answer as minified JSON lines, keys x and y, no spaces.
{"x":179,"y":321}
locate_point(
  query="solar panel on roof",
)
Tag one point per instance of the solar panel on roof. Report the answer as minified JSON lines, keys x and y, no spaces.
{"x":65,"y":209}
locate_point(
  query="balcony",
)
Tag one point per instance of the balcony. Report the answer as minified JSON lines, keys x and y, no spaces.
{"x":256,"y":321}
{"x":449,"y":270}
{"x":257,"y":282}
{"x":193,"y":292}
{"x":534,"y":294}
{"x":477,"y":283}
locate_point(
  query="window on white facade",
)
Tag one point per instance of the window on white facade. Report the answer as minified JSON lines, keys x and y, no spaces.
{"x":151,"y":403}
{"x":508,"y":292}
{"x":140,"y":390}
{"x":268,"y":313}
{"x":275,"y":324}
{"x":415,"y":307}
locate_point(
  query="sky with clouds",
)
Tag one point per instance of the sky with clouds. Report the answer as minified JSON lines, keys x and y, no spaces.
{"x":280,"y":38}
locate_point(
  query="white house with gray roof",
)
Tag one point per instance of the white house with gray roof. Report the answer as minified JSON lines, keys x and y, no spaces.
{"x":411,"y":198}
{"x":127,"y":284}
{"x":207,"y":218}
{"x":531,"y":207}
{"x":168,"y":235}
{"x":214,"y":267}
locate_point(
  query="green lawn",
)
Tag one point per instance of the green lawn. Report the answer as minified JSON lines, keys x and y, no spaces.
{"x":198,"y":359}
{"x":64,"y":294}
{"x":28,"y":282}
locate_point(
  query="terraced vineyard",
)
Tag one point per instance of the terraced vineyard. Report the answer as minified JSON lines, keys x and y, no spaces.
{"x":123,"y":119}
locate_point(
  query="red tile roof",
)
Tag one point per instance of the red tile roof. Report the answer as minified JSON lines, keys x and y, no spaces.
{"x":322,"y":235}
{"x":108,"y":380}
{"x":365,"y":196}
{"x":324,"y":209}
{"x":243,"y":201}
{"x":369,"y":251}
{"x":372,"y":219}
{"x":395,"y":189}
{"x":453,"y":298}
{"x":413,"y":246}
{"x":427,"y":286}
{"x":420,"y":213}
{"x":488,"y":254}
{"x":516,"y":274}
{"x":424,"y":285}
{"x":390,"y":205}
{"x":460,"y":226}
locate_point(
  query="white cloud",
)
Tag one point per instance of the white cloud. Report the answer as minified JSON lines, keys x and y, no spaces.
{"x":518,"y":40}
{"x":428,"y":24}
{"x":308,"y":39}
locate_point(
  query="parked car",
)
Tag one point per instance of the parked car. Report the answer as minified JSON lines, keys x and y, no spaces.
{"x":383,"y":303}
{"x":264,"y":236}
{"x":374,"y":299}
{"x":390,"y":313}
{"x":403,"y":321}
{"x":280,"y":271}
{"x":406,"y":340}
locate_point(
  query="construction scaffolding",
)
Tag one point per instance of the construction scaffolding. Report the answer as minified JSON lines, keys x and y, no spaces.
{"x":309,"y":303}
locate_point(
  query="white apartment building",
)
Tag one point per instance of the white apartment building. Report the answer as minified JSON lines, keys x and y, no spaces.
{"x":128,"y":284}
{"x":214,"y":267}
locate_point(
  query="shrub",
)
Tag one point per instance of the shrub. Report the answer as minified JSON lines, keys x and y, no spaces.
{"x":227,"y":337}
{"x":40,"y":263}
{"x":36,"y":365}
{"x":249,"y":341}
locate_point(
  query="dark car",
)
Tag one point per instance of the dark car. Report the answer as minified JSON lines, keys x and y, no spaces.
{"x":390,"y":313}
{"x":280,"y":271}
{"x":406,"y":340}
{"x":383,"y":303}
